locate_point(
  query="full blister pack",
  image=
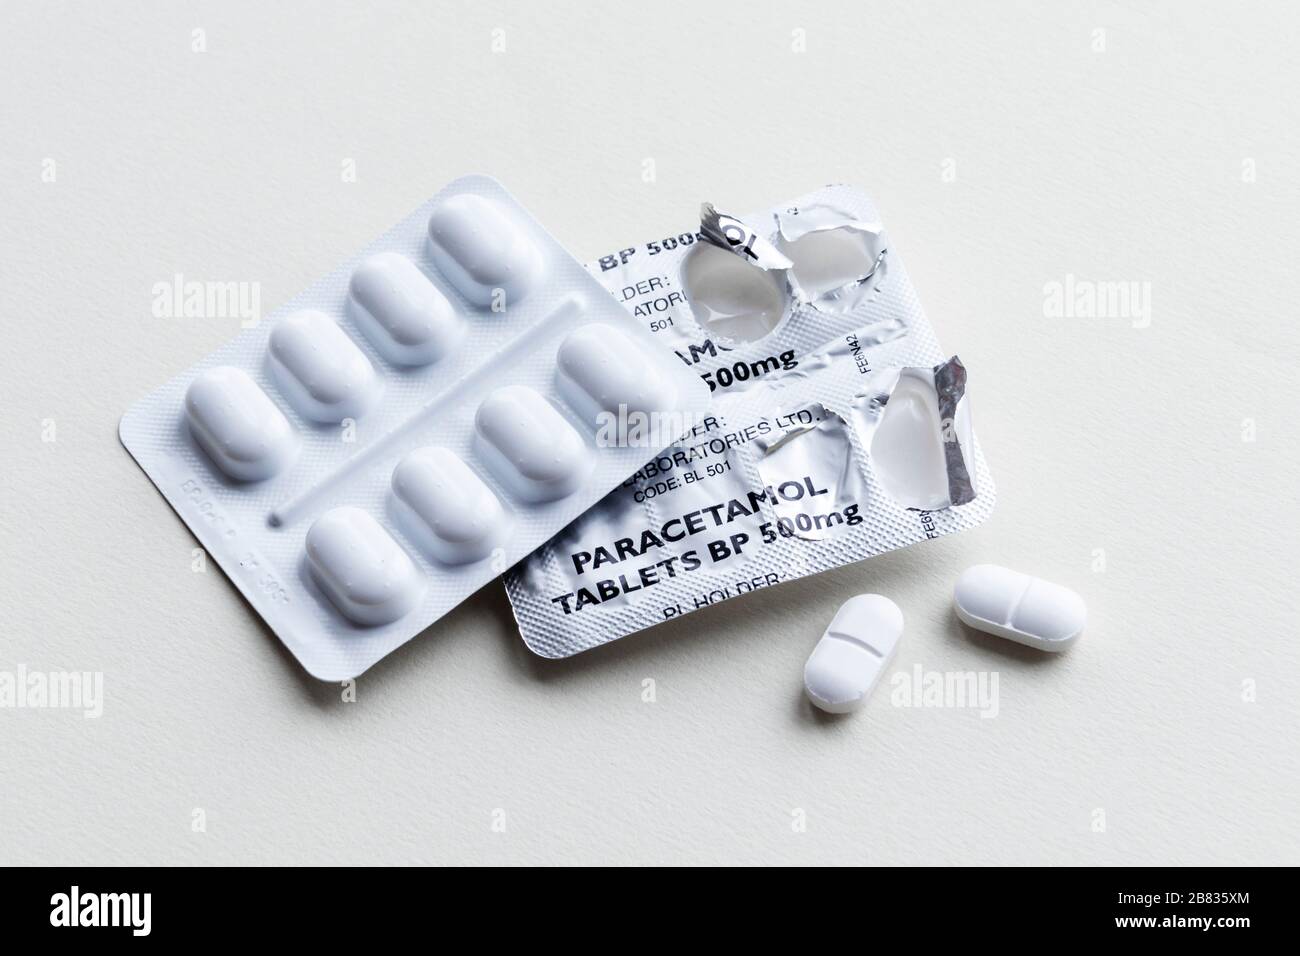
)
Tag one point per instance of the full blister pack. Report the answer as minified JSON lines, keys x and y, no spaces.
{"x":839,"y":430}
{"x":409,"y":426}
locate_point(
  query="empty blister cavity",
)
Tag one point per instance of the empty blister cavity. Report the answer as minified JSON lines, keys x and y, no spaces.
{"x":529,"y":445}
{"x":815,"y":442}
{"x":483,"y":250}
{"x":402,"y":313}
{"x":732,"y":297}
{"x":601,"y":371}
{"x":238,"y":425}
{"x":850,"y":657}
{"x":362,"y":570}
{"x":447,"y":507}
{"x":908,"y":447}
{"x":319,"y":369}
{"x":1019,"y":607}
{"x":830,"y":259}
{"x":784,"y":458}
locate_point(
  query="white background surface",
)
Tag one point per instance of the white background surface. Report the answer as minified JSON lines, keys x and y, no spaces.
{"x":1121,"y":164}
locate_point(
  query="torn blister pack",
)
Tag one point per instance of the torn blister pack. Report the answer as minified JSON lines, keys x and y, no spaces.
{"x":839,"y":430}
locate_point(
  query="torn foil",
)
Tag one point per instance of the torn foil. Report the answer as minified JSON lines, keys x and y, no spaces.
{"x":914,"y":423}
{"x":696,"y":526}
{"x":783,"y":483}
{"x":799,"y":221}
{"x":851,"y":289}
{"x":735,"y":236}
{"x":816,"y":443}
{"x":950,"y":386}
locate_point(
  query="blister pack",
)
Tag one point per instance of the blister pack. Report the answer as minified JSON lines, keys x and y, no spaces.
{"x":409,"y":426}
{"x":839,"y":429}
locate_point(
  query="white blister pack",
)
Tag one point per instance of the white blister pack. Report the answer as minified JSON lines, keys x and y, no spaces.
{"x":408,"y":427}
{"x":839,"y":429}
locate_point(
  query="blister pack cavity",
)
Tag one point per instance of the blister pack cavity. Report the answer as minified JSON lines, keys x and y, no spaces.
{"x":839,"y":429}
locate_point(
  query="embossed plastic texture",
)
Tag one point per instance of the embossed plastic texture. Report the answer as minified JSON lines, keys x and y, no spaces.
{"x":408,"y":427}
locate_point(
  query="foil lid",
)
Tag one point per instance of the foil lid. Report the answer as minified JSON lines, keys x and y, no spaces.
{"x":796,"y":222}
{"x":954,"y":416}
{"x":735,"y":236}
{"x":790,"y":226}
{"x":839,"y":429}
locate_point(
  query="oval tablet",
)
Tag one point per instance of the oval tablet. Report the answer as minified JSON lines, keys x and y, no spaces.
{"x":320,"y":370}
{"x":852,"y":654}
{"x":406,"y":318}
{"x":361,"y":568}
{"x":448,"y":506}
{"x":529,"y":445}
{"x":236,"y":423}
{"x":600,"y":369}
{"x":481,"y":248}
{"x":1019,"y":607}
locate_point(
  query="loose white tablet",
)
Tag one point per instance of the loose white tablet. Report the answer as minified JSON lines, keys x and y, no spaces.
{"x":1019,"y":607}
{"x":852,"y":654}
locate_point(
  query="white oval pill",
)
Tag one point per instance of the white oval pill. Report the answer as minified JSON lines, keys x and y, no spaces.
{"x":1019,"y":607}
{"x":600,"y":369}
{"x":529,"y":446}
{"x":448,"y":507}
{"x":852,"y":654}
{"x":361,"y":568}
{"x":236,"y":423}
{"x":406,"y":318}
{"x":319,"y":369}
{"x":481,"y":247}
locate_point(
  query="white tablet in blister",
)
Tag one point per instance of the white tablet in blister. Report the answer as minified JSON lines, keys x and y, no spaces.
{"x":409,"y":426}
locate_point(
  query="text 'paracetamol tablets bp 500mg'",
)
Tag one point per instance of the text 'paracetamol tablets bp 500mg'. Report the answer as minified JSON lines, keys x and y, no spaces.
{"x":839,"y":428}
